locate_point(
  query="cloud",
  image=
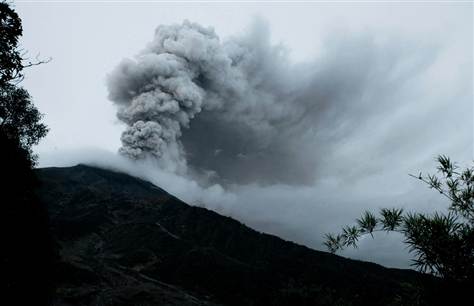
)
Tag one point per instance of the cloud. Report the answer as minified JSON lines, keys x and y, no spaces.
{"x":240,"y":111}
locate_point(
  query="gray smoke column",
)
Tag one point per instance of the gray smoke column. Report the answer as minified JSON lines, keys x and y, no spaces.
{"x":157,"y":93}
{"x":237,"y":111}
{"x":186,"y":73}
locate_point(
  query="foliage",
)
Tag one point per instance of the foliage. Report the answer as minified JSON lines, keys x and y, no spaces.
{"x":27,"y":257}
{"x":11,"y":62}
{"x":443,"y":243}
{"x":13,"y":59}
{"x":19,"y":118}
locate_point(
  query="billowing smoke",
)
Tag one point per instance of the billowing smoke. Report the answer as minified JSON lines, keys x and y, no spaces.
{"x":229,"y":109}
{"x":239,"y":111}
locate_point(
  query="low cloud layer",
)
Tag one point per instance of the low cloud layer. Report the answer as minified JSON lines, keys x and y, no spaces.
{"x":297,"y":213}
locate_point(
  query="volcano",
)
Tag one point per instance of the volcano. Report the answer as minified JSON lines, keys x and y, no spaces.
{"x":124,"y":241}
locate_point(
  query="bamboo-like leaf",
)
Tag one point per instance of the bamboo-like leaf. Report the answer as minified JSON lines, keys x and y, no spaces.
{"x":391,"y":218}
{"x":350,"y":234}
{"x":367,"y":223}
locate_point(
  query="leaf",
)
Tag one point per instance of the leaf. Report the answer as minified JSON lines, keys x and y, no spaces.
{"x":350,"y":234}
{"x":367,"y":223}
{"x":391,"y":218}
{"x":333,"y":242}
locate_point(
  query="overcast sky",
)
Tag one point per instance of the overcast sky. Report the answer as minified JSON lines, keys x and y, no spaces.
{"x":389,"y":130}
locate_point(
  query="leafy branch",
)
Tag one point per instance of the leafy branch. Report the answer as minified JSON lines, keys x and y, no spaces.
{"x":443,"y":244}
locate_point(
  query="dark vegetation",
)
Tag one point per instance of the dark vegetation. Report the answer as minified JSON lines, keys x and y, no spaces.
{"x":442,"y":243}
{"x":20,"y":121}
{"x":26,"y":260}
{"x":124,"y":241}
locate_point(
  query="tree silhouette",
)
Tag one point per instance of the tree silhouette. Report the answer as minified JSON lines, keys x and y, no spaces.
{"x":13,"y":59}
{"x":443,"y":243}
{"x":19,"y":118}
{"x":26,"y":259}
{"x":11,"y":62}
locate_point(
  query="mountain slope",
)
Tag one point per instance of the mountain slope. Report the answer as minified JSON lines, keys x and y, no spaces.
{"x":124,"y":241}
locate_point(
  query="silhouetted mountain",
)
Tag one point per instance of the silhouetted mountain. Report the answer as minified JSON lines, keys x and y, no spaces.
{"x":124,"y":241}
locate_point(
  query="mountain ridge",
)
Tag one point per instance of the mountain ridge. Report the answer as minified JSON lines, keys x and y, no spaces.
{"x":110,"y":226}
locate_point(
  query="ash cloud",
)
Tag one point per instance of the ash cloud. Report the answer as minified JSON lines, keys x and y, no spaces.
{"x":238,"y":111}
{"x":222,"y":107}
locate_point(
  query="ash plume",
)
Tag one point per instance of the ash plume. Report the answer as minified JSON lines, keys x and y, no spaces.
{"x":238,"y":111}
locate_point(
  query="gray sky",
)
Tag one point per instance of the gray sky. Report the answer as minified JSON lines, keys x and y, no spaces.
{"x":396,"y":128}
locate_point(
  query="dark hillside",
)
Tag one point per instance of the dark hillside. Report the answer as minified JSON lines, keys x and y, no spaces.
{"x":124,"y":241}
